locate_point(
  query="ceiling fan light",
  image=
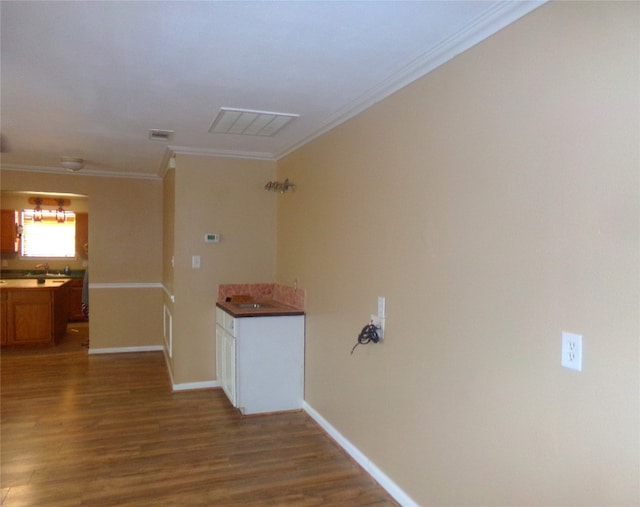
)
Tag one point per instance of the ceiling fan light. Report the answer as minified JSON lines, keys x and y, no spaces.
{"x":72,"y":163}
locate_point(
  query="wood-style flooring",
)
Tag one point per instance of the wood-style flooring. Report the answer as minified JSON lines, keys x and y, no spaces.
{"x":106,"y":430}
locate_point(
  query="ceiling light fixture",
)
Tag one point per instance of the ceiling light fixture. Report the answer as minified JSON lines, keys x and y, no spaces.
{"x":72,"y":163}
{"x":61,"y":216}
{"x":37,"y":211}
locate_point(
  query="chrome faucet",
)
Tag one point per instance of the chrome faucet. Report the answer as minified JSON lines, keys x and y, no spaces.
{"x":44,"y":267}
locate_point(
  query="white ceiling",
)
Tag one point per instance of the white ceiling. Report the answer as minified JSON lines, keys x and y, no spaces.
{"x":90,"y":79}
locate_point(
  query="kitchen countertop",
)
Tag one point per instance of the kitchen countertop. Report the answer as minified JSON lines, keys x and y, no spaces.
{"x":267,"y":309}
{"x":32,"y":283}
{"x":12,"y":274}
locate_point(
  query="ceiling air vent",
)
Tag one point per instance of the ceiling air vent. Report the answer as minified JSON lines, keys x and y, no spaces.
{"x":249,"y":123}
{"x":160,"y":135}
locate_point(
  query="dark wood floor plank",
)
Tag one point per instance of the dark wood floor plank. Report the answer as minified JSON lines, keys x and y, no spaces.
{"x":81,"y":430}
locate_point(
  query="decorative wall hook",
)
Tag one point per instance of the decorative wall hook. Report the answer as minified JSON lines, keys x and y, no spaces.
{"x":283,"y":187}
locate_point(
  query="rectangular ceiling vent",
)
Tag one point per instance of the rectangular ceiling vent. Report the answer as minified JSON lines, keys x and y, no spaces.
{"x":249,"y":123}
{"x":160,"y":135}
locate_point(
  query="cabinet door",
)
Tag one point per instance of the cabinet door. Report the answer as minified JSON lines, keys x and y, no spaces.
{"x":82,"y":233}
{"x":229,"y":367}
{"x":75,"y":301}
{"x":220,"y":354}
{"x":3,"y":318}
{"x":30,"y":317}
{"x":9,"y":242}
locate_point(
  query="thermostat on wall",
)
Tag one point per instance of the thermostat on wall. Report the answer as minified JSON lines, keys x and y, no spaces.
{"x":212,"y":238}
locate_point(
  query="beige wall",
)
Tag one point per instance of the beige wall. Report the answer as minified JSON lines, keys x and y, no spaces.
{"x":494,"y":203}
{"x":125,"y":236}
{"x":224,"y":196}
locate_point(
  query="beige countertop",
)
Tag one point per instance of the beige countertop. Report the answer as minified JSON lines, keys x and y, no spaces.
{"x":32,"y":283}
{"x":268,"y":308}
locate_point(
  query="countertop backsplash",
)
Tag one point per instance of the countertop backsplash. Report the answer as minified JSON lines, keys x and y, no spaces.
{"x":264,"y":292}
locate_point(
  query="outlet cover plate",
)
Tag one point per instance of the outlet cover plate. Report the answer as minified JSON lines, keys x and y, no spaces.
{"x":572,"y":351}
{"x":379,"y":323}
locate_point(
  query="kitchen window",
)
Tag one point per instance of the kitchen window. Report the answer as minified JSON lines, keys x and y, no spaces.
{"x":48,"y":237}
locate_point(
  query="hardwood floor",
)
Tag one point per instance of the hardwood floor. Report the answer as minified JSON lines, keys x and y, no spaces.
{"x":106,"y":430}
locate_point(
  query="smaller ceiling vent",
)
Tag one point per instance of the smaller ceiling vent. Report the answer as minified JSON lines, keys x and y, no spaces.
{"x":160,"y":135}
{"x":249,"y":123}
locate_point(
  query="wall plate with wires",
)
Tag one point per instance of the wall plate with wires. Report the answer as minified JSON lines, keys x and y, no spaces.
{"x":378,"y":322}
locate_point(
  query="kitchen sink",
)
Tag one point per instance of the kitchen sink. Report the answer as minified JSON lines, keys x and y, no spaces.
{"x":252,"y":305}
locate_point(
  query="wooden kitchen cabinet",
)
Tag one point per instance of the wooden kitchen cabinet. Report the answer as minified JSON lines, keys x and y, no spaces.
{"x":9,"y":240}
{"x":82,"y":233}
{"x":75,"y":300}
{"x":35,"y":314}
{"x":3,"y":318}
{"x":30,"y":317}
{"x":260,"y":361}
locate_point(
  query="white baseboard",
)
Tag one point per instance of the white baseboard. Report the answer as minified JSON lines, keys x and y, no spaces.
{"x":189,"y":386}
{"x":121,"y":350}
{"x":381,"y":478}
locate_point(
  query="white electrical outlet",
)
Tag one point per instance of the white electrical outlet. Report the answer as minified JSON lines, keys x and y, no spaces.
{"x":572,"y":351}
{"x":195,"y":262}
{"x":379,"y":323}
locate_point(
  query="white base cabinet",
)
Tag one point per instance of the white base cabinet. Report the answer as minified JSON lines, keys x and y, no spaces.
{"x":260,"y":361}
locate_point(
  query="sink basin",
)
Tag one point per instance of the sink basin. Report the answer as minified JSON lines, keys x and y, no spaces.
{"x":251,"y":305}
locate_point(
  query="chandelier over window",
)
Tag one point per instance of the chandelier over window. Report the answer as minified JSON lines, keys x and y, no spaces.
{"x":60,"y":213}
{"x":37,"y":211}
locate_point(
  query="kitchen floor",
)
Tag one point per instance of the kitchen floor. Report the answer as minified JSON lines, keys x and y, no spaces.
{"x":76,"y":340}
{"x":106,"y":429}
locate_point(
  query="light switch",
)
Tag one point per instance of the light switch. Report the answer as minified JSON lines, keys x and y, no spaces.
{"x":195,"y":262}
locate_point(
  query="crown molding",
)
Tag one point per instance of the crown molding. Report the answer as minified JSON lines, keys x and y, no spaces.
{"x":493,"y":20}
{"x":84,"y":172}
{"x":204,"y":152}
{"x":254,"y":155}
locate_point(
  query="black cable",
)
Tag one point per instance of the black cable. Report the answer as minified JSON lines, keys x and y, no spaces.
{"x":368,"y":334}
